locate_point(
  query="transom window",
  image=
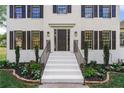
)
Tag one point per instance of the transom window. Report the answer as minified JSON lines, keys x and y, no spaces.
{"x":106,"y":11}
{"x":62,"y":9}
{"x":121,"y":38}
{"x":89,"y":11}
{"x":35,"y":11}
{"x":106,"y":38}
{"x":35,"y":39}
{"x":89,"y":38}
{"x":18,"y":11}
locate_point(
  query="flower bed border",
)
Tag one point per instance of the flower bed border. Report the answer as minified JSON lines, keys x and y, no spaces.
{"x":100,"y":82}
{"x":38,"y":81}
{"x":21,"y":78}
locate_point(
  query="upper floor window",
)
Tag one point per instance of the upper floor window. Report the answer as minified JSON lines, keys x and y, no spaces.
{"x":35,"y":11}
{"x":17,"y":11}
{"x":106,"y":11}
{"x":62,"y":9}
{"x":88,"y":11}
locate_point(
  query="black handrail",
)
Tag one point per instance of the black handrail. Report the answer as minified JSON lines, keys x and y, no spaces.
{"x":79,"y":57}
{"x":44,"y":57}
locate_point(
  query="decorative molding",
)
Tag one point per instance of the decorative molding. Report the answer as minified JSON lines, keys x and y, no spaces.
{"x":62,"y":25}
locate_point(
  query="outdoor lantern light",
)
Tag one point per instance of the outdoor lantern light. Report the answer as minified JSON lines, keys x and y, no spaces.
{"x":75,"y":34}
{"x":48,"y":34}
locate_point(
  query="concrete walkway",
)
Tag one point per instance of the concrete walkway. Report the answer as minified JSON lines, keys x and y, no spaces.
{"x":63,"y":86}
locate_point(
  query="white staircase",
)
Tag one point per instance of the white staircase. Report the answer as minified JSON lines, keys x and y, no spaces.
{"x":62,"y":67}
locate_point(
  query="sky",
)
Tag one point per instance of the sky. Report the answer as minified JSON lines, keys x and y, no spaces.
{"x":3,"y":30}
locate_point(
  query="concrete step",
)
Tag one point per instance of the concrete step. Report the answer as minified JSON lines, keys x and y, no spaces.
{"x":62,"y":60}
{"x":62,"y":72}
{"x":62,"y":79}
{"x":61,"y":67}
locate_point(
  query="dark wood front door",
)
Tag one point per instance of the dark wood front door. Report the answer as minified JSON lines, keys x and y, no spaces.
{"x":61,"y":40}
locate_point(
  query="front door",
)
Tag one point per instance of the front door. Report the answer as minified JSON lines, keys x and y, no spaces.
{"x":62,"y":40}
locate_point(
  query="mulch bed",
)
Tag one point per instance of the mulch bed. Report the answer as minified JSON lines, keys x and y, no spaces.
{"x":97,"y":78}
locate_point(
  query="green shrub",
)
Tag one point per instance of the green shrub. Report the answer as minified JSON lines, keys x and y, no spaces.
{"x":106,"y":55}
{"x":3,"y":63}
{"x":36,"y":74}
{"x":24,"y":71}
{"x":35,"y":66}
{"x":37,"y":53}
{"x":17,"y":54}
{"x":89,"y":72}
{"x":12,"y":65}
{"x":116,"y":67}
{"x":92,"y":63}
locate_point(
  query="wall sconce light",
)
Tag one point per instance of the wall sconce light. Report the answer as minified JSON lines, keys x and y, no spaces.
{"x":75,"y":33}
{"x":48,"y":34}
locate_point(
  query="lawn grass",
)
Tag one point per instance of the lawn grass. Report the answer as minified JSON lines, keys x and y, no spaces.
{"x":116,"y":81}
{"x":7,"y":80}
{"x":2,"y":53}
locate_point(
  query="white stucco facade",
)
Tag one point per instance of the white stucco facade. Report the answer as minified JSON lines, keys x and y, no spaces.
{"x":72,"y":21}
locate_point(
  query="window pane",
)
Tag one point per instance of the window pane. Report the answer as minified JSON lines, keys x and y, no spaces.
{"x":19,"y":38}
{"x":62,"y":9}
{"x":88,"y":38}
{"x":18,"y":11}
{"x":106,"y":11}
{"x":35,"y":39}
{"x":36,"y":11}
{"x":88,"y":11}
{"x":106,"y":38}
{"x":122,"y":39}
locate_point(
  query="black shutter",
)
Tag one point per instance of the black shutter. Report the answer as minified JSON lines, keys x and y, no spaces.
{"x":54,"y":9}
{"x":23,"y":11}
{"x":29,"y":11}
{"x":82,"y":40}
{"x":24,"y":40}
{"x":100,"y":40}
{"x":11,"y":11}
{"x":41,"y":40}
{"x":82,"y":10}
{"x":113,"y":39}
{"x":110,"y":40}
{"x":69,"y":8}
{"x":100,"y":11}
{"x":14,"y":39}
{"x":95,"y":11}
{"x":28,"y":40}
{"x":14,"y":11}
{"x":11,"y":40}
{"x":113,"y":10}
{"x":41,"y":11}
{"x":95,"y":39}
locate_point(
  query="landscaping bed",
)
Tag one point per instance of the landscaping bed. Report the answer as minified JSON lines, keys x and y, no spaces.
{"x":30,"y":70}
{"x":94,"y":72}
{"x":7,"y":80}
{"x":116,"y":81}
{"x":98,"y":72}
